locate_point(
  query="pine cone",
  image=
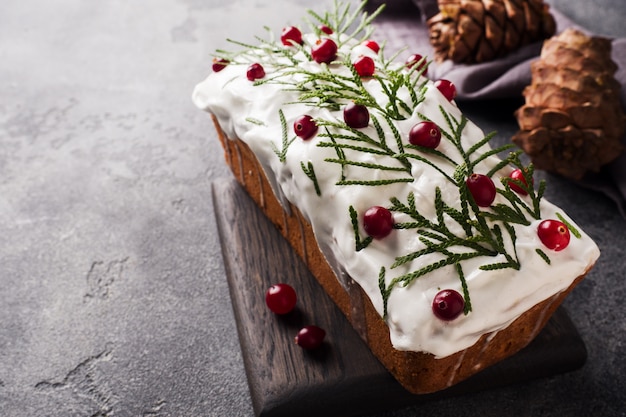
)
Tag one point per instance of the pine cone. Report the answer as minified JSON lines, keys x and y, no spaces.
{"x":473,"y":31}
{"x":572,"y":122}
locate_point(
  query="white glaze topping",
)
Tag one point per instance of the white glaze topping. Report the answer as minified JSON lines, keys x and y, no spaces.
{"x":498,"y":297}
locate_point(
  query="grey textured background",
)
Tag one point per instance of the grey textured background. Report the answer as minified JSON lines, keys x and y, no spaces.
{"x":113,"y":300}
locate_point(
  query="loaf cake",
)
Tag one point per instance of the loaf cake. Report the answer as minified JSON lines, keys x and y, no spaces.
{"x":440,"y":251}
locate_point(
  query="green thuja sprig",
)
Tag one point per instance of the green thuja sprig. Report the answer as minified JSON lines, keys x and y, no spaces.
{"x":487,"y":232}
{"x":543,"y":256}
{"x":273,"y":52}
{"x":327,"y":89}
{"x":359,"y":243}
{"x":282,"y":153}
{"x":310,"y":172}
{"x":467,"y":307}
{"x":515,"y":211}
{"x":569,"y":225}
{"x":355,"y":25}
{"x":255,"y":121}
{"x":348,"y":138}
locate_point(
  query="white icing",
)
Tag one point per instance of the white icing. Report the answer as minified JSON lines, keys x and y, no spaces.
{"x":497,"y":297}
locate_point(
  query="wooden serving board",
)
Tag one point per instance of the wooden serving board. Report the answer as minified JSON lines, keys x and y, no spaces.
{"x":342,"y":378}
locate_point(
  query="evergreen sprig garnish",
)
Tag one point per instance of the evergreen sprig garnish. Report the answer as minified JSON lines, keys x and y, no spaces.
{"x":359,"y":243}
{"x":354,"y":24}
{"x":309,"y":171}
{"x":487,"y":233}
{"x":328,"y":89}
{"x":357,"y":142}
{"x":282,"y":153}
{"x":569,"y":225}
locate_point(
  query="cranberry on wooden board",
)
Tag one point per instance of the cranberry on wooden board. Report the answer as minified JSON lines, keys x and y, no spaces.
{"x":281,"y":298}
{"x":310,"y":337}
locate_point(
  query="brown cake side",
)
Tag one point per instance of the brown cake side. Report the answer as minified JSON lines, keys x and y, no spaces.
{"x":418,"y":372}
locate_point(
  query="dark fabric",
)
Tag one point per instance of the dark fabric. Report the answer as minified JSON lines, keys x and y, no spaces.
{"x":502,"y":78}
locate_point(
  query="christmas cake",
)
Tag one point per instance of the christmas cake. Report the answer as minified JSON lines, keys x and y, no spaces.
{"x":441,"y":252}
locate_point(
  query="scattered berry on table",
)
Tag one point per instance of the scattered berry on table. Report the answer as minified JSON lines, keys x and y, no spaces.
{"x":310,"y":337}
{"x":281,"y":298}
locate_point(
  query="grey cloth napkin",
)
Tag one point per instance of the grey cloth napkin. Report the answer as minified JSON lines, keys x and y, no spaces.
{"x":403,"y":26}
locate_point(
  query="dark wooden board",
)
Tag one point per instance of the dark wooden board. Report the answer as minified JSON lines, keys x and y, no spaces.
{"x":342,"y":378}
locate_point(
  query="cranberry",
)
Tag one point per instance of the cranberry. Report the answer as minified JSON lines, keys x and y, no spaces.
{"x":448,"y":305}
{"x":373,"y":45}
{"x":416,"y":59}
{"x":281,"y":298}
{"x":219,"y":64}
{"x":310,"y":337}
{"x":291,"y":35}
{"x":517,"y":174}
{"x":305,"y":127}
{"x":553,"y":234}
{"x":482,"y":188}
{"x":356,"y":115}
{"x":326,"y":29}
{"x":364,"y":66}
{"x":255,"y":72}
{"x":325,"y":50}
{"x":425,"y":134}
{"x":447,"y":89}
{"x":377,"y":222}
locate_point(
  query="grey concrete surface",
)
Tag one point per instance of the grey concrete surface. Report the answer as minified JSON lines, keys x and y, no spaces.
{"x":113,"y":300}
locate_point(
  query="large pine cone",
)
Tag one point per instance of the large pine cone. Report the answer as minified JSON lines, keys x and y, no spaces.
{"x":473,"y":31}
{"x":572,"y":122}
